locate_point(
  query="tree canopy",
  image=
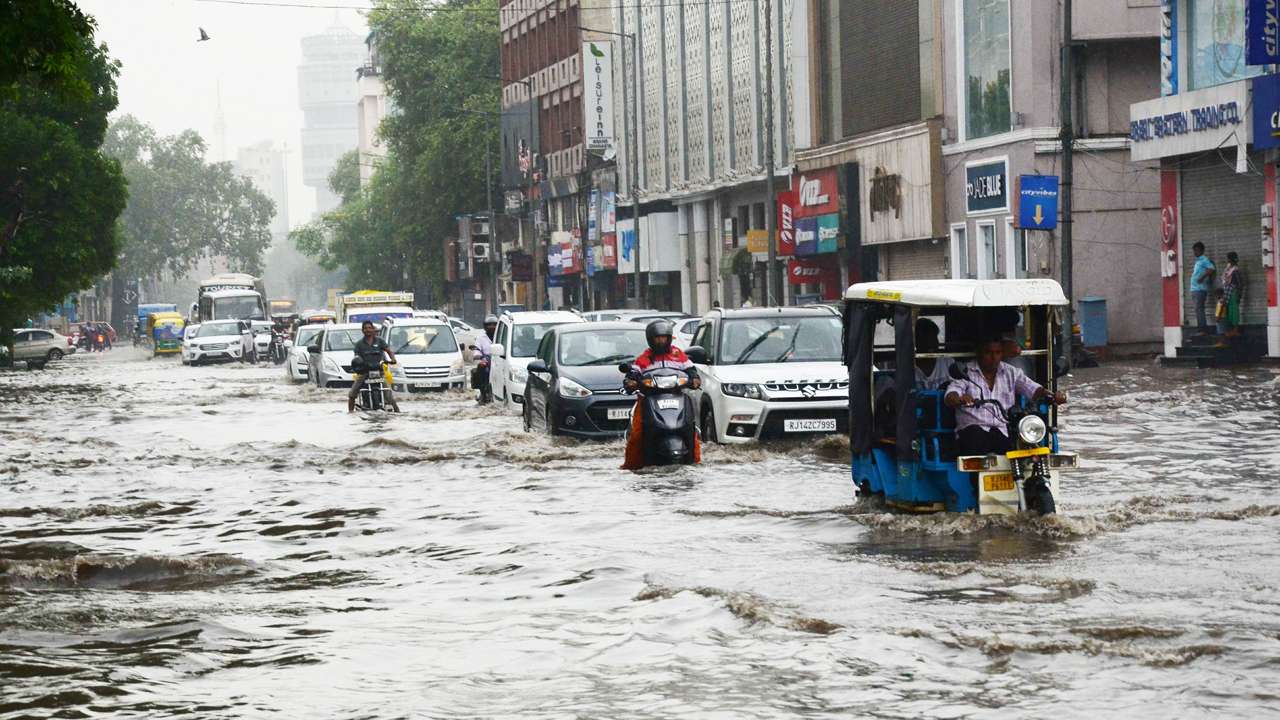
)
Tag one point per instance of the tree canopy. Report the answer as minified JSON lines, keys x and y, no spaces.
{"x":437,"y":67}
{"x":59,"y":195}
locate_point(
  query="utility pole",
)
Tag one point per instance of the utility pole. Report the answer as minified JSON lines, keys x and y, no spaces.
{"x":772,"y":281}
{"x":495,"y":263}
{"x":633,"y":162}
{"x":1068,"y":141}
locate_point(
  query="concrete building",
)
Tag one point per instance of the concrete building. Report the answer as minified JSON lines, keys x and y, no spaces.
{"x":264,"y":164}
{"x":1214,"y":132}
{"x":327,"y":93}
{"x":371,"y":108}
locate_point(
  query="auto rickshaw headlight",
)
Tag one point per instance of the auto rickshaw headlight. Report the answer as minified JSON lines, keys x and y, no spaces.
{"x":1032,"y":429}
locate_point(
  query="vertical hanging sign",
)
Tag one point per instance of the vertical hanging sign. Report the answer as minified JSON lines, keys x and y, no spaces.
{"x":1262,"y":32}
{"x":1168,"y":48}
{"x":597,"y":95}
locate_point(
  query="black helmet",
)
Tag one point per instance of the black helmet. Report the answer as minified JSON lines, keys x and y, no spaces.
{"x":657,"y":329}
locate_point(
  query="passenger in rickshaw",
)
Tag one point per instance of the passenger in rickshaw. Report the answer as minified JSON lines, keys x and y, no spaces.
{"x":931,"y":374}
{"x":981,"y":428}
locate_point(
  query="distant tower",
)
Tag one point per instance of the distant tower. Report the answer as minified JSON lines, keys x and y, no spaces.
{"x":219,"y":131}
{"x":327,"y":93}
{"x":264,"y":165}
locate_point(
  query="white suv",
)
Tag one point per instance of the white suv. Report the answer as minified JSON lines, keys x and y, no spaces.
{"x":770,"y":373}
{"x":427,"y":354}
{"x":514,"y":345}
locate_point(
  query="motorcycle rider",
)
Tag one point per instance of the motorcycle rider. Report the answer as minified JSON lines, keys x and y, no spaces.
{"x":660,"y":354}
{"x":480,"y":375}
{"x":369,"y":349}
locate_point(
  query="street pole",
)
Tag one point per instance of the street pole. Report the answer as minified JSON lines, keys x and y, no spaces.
{"x":1068,"y":141}
{"x":634,"y":162}
{"x":770,"y":205}
{"x":494,"y":262}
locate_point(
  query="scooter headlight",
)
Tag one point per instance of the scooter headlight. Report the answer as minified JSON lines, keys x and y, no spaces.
{"x":571,"y":389}
{"x":1032,"y":429}
{"x":666,"y":382}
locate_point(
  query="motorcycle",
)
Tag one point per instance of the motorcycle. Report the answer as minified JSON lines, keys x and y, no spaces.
{"x":276,"y":351}
{"x":667,"y":425}
{"x":375,"y":394}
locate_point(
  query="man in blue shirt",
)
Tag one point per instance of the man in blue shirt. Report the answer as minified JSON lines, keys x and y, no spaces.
{"x":1201,"y":284}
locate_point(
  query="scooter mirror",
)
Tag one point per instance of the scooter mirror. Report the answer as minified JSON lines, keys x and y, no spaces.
{"x":624,"y":368}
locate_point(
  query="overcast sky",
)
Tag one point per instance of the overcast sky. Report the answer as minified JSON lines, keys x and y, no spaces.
{"x":171,"y":82}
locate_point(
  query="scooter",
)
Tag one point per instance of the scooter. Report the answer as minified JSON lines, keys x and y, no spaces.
{"x":276,"y":350}
{"x":666,"y":416}
{"x":480,"y":380}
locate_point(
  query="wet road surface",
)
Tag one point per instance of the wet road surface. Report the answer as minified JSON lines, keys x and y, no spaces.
{"x":218,"y":543}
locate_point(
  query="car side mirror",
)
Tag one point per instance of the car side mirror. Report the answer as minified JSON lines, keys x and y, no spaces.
{"x":498,"y":350}
{"x":314,"y":348}
{"x":462,"y":347}
{"x":538,"y":366}
{"x":624,"y":368}
{"x":697,"y":355}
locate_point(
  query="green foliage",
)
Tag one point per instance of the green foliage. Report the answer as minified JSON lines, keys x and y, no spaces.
{"x":181,"y":209}
{"x":438,"y":69}
{"x":59,"y":195}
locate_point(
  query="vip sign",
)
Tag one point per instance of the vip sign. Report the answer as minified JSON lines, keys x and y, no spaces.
{"x":818,"y":194}
{"x":597,"y":96}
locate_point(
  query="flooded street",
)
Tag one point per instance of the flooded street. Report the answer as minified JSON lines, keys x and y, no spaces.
{"x":219,"y":543}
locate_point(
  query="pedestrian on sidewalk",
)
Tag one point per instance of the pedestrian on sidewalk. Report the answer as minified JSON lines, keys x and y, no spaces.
{"x":1201,"y":284}
{"x":1233,"y":287}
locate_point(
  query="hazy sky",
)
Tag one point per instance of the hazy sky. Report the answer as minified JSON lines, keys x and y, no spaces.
{"x":171,"y":81}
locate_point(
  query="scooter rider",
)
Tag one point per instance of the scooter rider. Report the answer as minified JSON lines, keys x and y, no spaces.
{"x":369,"y":350}
{"x":480,"y":375}
{"x":660,"y":354}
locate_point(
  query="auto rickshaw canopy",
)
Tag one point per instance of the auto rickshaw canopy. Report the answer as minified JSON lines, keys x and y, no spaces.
{"x":960,"y":293}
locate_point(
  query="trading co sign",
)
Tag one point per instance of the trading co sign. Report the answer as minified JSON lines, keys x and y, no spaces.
{"x":597,"y":94}
{"x":1190,"y":122}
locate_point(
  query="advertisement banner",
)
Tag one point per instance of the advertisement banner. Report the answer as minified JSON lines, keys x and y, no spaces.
{"x":591,"y":260}
{"x":609,"y":252}
{"x":593,"y":210}
{"x":757,"y":241}
{"x":787,"y":223}
{"x":1262,"y":32}
{"x":828,"y":233}
{"x":609,"y":217}
{"x":1266,"y":111}
{"x":597,"y":94}
{"x":521,"y":267}
{"x":817,"y":193}
{"x":728,"y":234}
{"x":803,"y":271}
{"x":987,"y":186}
{"x":806,"y":237}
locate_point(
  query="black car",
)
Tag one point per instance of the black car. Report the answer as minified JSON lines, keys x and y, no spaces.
{"x":574,"y":386}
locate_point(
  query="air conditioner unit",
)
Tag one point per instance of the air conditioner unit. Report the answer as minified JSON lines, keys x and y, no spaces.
{"x":480,"y":251}
{"x":480,"y":226}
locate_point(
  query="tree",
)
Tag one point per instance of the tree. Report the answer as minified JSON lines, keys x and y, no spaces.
{"x":59,"y":195}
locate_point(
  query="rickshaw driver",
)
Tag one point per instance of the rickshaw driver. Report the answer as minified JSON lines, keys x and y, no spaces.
{"x":981,"y":429}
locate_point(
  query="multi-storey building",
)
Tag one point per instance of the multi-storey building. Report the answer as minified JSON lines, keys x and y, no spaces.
{"x":371,"y":108}
{"x":264,"y":165}
{"x":327,"y":94}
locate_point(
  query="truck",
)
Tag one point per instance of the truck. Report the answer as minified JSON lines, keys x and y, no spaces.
{"x":283,"y":306}
{"x":373,"y":305}
{"x":230,"y":296}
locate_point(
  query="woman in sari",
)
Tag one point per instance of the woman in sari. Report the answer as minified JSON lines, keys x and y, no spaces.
{"x":1233,"y":287}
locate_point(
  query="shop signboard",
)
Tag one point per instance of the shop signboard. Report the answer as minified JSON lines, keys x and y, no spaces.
{"x":806,"y":237}
{"x":817,"y":193}
{"x":1266,"y":111}
{"x":1037,"y":202}
{"x":805,"y":271}
{"x":1262,"y":32}
{"x":786,"y":223}
{"x":729,"y":234}
{"x":1190,"y":122}
{"x":899,"y":186}
{"x":591,"y":260}
{"x":828,"y":233}
{"x":593,"y":209}
{"x":609,"y":215}
{"x":521,"y":267}
{"x":607,"y":253}
{"x":986,"y":186}
{"x":597,"y":94}
{"x":757,"y":241}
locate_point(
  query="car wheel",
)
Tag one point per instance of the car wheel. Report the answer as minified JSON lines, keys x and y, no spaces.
{"x":55,"y":354}
{"x":709,"y":433}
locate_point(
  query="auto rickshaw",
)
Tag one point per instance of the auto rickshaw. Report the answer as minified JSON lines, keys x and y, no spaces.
{"x":165,"y":332}
{"x":903,"y":436}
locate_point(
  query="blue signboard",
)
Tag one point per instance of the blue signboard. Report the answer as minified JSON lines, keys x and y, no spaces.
{"x":1037,"y":202}
{"x":1266,"y":112}
{"x":1262,"y":32}
{"x":987,"y":187}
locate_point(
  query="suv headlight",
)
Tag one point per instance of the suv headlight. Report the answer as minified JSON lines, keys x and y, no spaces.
{"x":571,"y":389}
{"x":519,"y":375}
{"x":746,"y":390}
{"x":1032,"y":429}
{"x":331,"y":366}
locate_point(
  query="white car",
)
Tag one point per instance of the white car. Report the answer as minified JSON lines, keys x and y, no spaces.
{"x":188,"y":338}
{"x":770,"y":373}
{"x":427,"y":355}
{"x":38,"y":346}
{"x":261,"y":340}
{"x":465,"y":334}
{"x":217,"y":340}
{"x":684,"y":332}
{"x":330,"y":354}
{"x":514,"y":345}
{"x":295,"y":365}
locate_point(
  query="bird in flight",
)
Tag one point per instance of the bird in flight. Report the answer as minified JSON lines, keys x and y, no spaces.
{"x":203,"y":35}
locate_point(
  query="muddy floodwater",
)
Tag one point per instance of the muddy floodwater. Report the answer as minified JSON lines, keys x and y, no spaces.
{"x":218,"y":543}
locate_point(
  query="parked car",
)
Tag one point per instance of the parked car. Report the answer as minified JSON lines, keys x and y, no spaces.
{"x":514,"y":345}
{"x":769,"y":373}
{"x":427,"y":355}
{"x":296,"y":364}
{"x":217,"y":341}
{"x":684,"y":332}
{"x":188,"y":339}
{"x":37,"y":346}
{"x":647,"y":317}
{"x":614,"y":314}
{"x":574,"y":385}
{"x":261,"y":340}
{"x":465,"y":334}
{"x":330,"y":353}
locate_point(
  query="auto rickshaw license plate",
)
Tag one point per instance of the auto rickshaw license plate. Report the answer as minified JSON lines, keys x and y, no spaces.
{"x":996,"y":483}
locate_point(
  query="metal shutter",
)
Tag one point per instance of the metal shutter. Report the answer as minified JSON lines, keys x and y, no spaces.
{"x":1221,"y":209}
{"x":915,"y":260}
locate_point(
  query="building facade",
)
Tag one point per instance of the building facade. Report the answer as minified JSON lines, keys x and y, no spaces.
{"x":371,"y":108}
{"x":264,"y":165}
{"x":1215,"y":134}
{"x":327,"y":94}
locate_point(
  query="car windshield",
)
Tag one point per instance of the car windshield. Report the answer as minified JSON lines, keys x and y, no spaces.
{"x":602,"y":347}
{"x":306,"y":335}
{"x":421,"y":339}
{"x":218,"y":328}
{"x":243,"y":307}
{"x":780,"y":339}
{"x":525,"y":338}
{"x":341,"y":339}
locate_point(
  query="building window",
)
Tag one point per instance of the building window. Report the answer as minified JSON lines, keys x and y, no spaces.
{"x":959,"y":253}
{"x":987,"y":267}
{"x":1217,"y":43}
{"x":987,"y":108}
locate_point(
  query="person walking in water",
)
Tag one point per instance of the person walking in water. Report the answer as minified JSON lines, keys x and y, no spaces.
{"x":1233,"y":287}
{"x":1201,"y":284}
